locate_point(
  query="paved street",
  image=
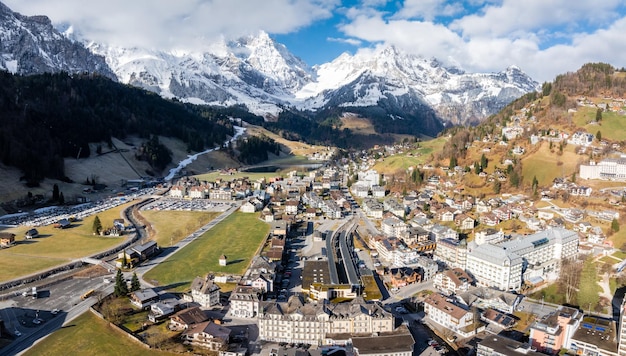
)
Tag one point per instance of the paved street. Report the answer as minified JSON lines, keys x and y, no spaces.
{"x":20,"y":312}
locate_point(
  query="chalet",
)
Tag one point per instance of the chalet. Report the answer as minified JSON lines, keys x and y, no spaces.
{"x":503,"y":213}
{"x":403,"y":276}
{"x":143,"y":298}
{"x":489,"y":219}
{"x":445,"y":214}
{"x":464,"y":222}
{"x":207,"y":335}
{"x":452,"y":281}
{"x":7,"y":239}
{"x":188,"y":317}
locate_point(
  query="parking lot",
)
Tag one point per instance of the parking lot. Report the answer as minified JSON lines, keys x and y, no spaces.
{"x":188,"y":205}
{"x":51,"y":215}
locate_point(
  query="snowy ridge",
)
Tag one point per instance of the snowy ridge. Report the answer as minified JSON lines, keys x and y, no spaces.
{"x":31,"y":45}
{"x":265,"y":77}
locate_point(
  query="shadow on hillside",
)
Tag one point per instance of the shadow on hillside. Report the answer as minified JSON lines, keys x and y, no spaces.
{"x":171,"y":286}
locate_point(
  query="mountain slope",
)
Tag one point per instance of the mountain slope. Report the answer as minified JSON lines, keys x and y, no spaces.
{"x":31,"y":45}
{"x":263,"y":75}
{"x":457,"y":97}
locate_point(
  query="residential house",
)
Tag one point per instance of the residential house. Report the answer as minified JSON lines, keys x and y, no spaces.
{"x":188,"y":317}
{"x":208,"y":335}
{"x":393,"y":226}
{"x":453,"y":281}
{"x":7,"y":239}
{"x":445,"y":214}
{"x":503,"y":213}
{"x":464,"y":222}
{"x":498,"y":345}
{"x":484,"y":298}
{"x":163,"y":309}
{"x":498,"y":319}
{"x":403,"y":276}
{"x":378,"y":191}
{"x":244,"y":302}
{"x":452,"y":253}
{"x":554,"y":331}
{"x":144,"y":298}
{"x":400,"y":342}
{"x":205,"y":292}
{"x":291,"y":207}
{"x":178,"y":191}
{"x":489,"y":219}
{"x":444,"y":312}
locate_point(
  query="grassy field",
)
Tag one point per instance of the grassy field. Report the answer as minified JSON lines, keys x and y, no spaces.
{"x":612,"y":126}
{"x":546,"y":165}
{"x":54,"y":246}
{"x":238,"y":237}
{"x":400,"y":163}
{"x":90,"y":335}
{"x":172,"y":226}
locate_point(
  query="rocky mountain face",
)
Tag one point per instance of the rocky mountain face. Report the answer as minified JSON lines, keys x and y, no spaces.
{"x":263,"y":75}
{"x":31,"y":45}
{"x":393,"y":75}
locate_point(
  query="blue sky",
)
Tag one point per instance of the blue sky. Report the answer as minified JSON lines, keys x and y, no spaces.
{"x":543,"y":37}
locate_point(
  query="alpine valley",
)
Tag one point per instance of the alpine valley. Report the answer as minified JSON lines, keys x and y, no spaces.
{"x":398,"y":91}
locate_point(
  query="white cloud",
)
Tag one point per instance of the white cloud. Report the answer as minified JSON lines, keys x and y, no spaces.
{"x":513,"y":16}
{"x":544,"y":38}
{"x":427,"y":9}
{"x":350,"y":41}
{"x":180,"y":24}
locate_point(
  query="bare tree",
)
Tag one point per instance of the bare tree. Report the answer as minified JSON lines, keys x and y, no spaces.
{"x":570,"y":278}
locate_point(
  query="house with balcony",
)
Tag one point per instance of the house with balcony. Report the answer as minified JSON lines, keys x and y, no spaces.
{"x":444,"y":312}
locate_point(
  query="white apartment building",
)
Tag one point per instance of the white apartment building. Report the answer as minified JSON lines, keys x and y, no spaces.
{"x":205,"y":292}
{"x":493,"y":266}
{"x":244,"y":302}
{"x":393,"y":226}
{"x":452,"y":253}
{"x":610,"y":168}
{"x":507,"y":264}
{"x":369,"y":178}
{"x":295,"y":321}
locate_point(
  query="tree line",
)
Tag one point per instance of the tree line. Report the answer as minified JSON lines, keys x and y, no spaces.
{"x":48,"y":117}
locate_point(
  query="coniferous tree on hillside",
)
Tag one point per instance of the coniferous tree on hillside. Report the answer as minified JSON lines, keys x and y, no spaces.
{"x":51,"y":116}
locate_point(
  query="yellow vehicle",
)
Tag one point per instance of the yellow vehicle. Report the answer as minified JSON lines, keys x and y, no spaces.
{"x":87,"y":294}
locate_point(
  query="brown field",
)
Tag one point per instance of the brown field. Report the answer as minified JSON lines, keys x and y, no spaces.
{"x":172,"y":226}
{"x":358,"y":125}
{"x":54,"y":246}
{"x":547,"y":165}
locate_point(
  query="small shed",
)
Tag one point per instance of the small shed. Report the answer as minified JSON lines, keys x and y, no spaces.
{"x":223,"y":260}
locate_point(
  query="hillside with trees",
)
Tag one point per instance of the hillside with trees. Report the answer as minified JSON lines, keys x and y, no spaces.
{"x":48,"y":117}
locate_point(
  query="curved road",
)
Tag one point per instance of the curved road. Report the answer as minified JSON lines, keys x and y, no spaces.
{"x":59,"y":299}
